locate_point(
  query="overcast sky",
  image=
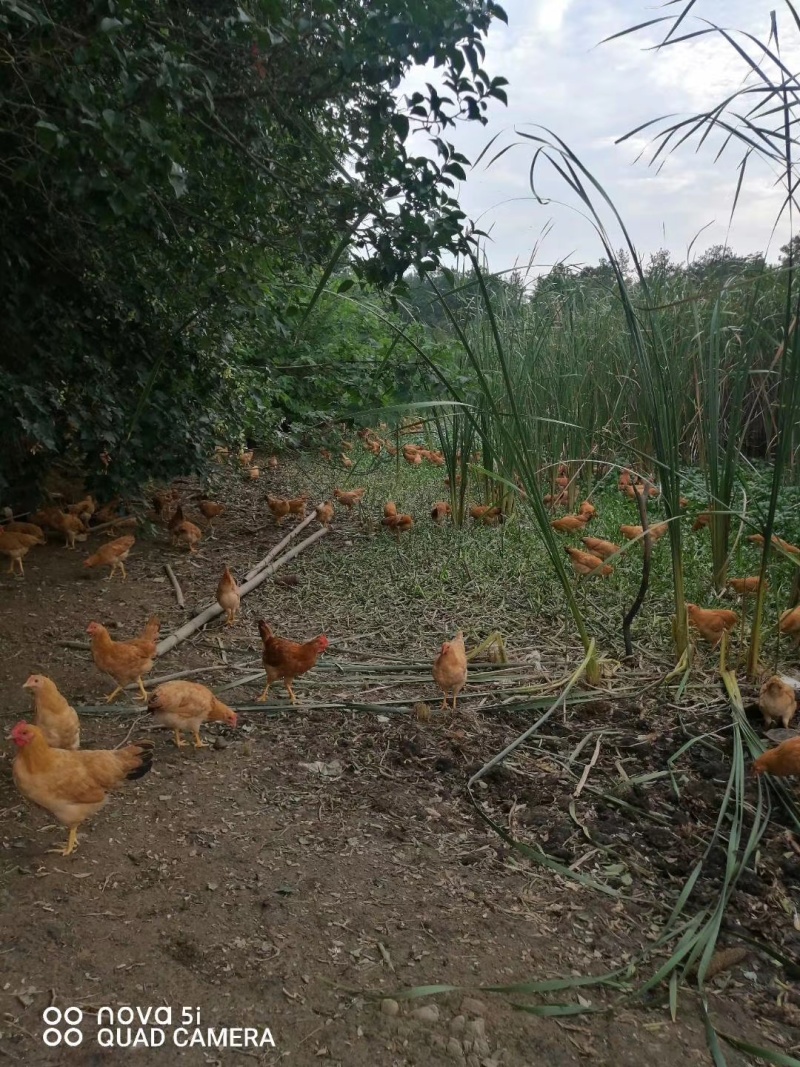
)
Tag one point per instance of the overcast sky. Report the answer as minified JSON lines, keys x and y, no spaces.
{"x":589,"y":94}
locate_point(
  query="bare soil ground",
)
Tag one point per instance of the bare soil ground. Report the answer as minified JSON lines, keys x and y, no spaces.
{"x":237,"y":881}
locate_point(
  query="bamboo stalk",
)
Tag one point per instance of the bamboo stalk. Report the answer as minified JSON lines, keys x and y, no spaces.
{"x":175,"y":585}
{"x":213,"y":610}
{"x":273,"y":552}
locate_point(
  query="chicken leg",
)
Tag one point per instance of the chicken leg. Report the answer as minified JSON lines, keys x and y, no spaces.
{"x":198,"y":742}
{"x":71,"y":845}
{"x":265,"y":695}
{"x":113,"y":696}
{"x":142,"y":690}
{"x":290,"y":691}
{"x":180,"y":743}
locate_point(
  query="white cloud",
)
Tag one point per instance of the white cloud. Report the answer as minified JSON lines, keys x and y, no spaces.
{"x":590,"y":94}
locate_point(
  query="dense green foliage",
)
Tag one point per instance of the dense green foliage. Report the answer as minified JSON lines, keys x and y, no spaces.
{"x":171,"y":179}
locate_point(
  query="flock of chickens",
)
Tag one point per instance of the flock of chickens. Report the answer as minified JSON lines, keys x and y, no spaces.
{"x":51,"y":770}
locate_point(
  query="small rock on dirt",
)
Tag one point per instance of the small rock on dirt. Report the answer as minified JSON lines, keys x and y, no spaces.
{"x":390,"y":1007}
{"x":428,"y":1014}
{"x":470,"y":1006}
{"x":454,"y":1049}
{"x":475,"y":1028}
{"x":457,"y":1024}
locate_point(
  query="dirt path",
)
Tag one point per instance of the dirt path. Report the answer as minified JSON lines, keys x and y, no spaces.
{"x":262,"y":893}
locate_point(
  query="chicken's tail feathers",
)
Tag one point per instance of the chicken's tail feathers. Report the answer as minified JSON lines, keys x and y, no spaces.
{"x":265,"y":630}
{"x":142,"y":752}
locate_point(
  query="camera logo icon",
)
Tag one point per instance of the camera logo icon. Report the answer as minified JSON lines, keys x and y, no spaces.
{"x":70,"y":1018}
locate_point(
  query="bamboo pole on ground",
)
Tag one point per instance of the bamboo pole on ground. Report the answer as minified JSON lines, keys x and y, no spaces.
{"x":213,"y":610}
{"x":273,"y":552}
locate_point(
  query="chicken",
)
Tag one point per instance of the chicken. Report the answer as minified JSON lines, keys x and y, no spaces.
{"x":185,"y":706}
{"x":373,"y":446}
{"x":112,"y":554}
{"x":297,"y":505}
{"x":711,"y":623}
{"x":587,"y":508}
{"x":16,"y":546}
{"x":398,"y":523}
{"x":347,"y":446}
{"x":655,"y":532}
{"x":279,"y":508}
{"x":108,"y":511}
{"x":124,"y":661}
{"x":555,"y":501}
{"x":188,"y":533}
{"x":58,"y":721}
{"x":177,"y":518}
{"x":781,"y":761}
{"x":325,"y":513}
{"x":353,"y":496}
{"x":72,"y":786}
{"x":587,"y":563}
{"x":777,"y":702}
{"x":562,"y":481}
{"x":272,"y":463}
{"x":701,"y":521}
{"x":209,"y":509}
{"x":346,"y":462}
{"x":743,"y":586}
{"x":84,"y":509}
{"x":389,"y":509}
{"x":286,"y":660}
{"x":30,"y":529}
{"x":440,"y":511}
{"x":450,"y":668}
{"x":569,"y":523}
{"x":228,"y":596}
{"x":777,"y":542}
{"x":245,"y":458}
{"x":414,"y":459}
{"x":70,"y":526}
{"x":253,"y":473}
{"x":487,"y":514}
{"x":326,"y":455}
{"x":790,"y":622}
{"x":600,"y":548}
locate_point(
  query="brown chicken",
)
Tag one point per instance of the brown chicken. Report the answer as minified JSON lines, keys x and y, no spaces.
{"x":373,"y":446}
{"x":655,"y":532}
{"x":440,"y":511}
{"x":253,"y":473}
{"x":347,"y":446}
{"x":777,"y":542}
{"x":450,"y":668}
{"x":108,"y":511}
{"x":112,"y":555}
{"x":744,"y":586}
{"x":389,"y":509}
{"x":790,"y":623}
{"x":398,"y":524}
{"x":184,"y":706}
{"x":701,"y":521}
{"x":584,"y":563}
{"x":72,"y":786}
{"x":70,"y":526}
{"x":487,"y":514}
{"x":569,"y":523}
{"x":711,"y":623}
{"x":187,"y":533}
{"x":555,"y":501}
{"x":124,"y":661}
{"x":279,"y":508}
{"x":587,"y":508}
{"x":53,"y":715}
{"x":349,"y":499}
{"x":84,"y":509}
{"x":347,"y":463}
{"x":297,"y":505}
{"x":286,"y":660}
{"x":781,"y":761}
{"x":16,"y":546}
{"x":777,"y":702}
{"x":326,"y":455}
{"x":413,"y":459}
{"x":210,"y":509}
{"x":228,"y":596}
{"x":245,"y":458}
{"x":272,"y":463}
{"x":30,"y":529}
{"x":177,"y":517}
{"x":325,"y":513}
{"x":600,"y":548}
